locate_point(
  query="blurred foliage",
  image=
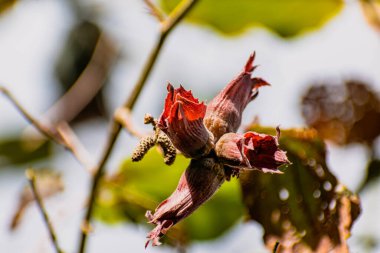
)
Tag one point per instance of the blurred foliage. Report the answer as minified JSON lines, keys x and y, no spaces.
{"x":305,"y":209}
{"x":48,"y":183}
{"x":344,"y":113}
{"x":371,"y":11}
{"x":141,"y":186}
{"x":373,"y":173}
{"x":73,"y":60}
{"x":21,"y":149}
{"x":6,"y":4}
{"x":287,"y":18}
{"x":77,"y":52}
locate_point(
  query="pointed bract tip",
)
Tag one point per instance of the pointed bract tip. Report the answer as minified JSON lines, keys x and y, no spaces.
{"x":170,"y":87}
{"x":149,"y":216}
{"x":181,"y":88}
{"x":253,"y":56}
{"x":271,"y":171}
{"x":258,"y":82}
{"x":278,"y":132}
{"x":287,"y":162}
{"x":249,"y":65}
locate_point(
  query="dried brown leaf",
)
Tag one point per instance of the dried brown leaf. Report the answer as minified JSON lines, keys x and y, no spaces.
{"x":48,"y":184}
{"x":343,"y":113}
{"x":305,"y":209}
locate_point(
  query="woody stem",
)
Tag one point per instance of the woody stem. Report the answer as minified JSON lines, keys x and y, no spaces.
{"x":166,"y":27}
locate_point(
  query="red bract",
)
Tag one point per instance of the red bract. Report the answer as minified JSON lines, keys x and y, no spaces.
{"x":223,"y":114}
{"x":182,"y":121}
{"x":197,"y":184}
{"x":252,"y":150}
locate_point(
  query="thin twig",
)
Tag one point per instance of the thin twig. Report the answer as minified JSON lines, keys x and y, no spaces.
{"x":155,"y":11}
{"x":43,"y":129}
{"x":32,"y":180}
{"x":88,"y":84}
{"x":75,"y":146}
{"x":275,"y":248}
{"x":166,"y":27}
{"x":123,"y":116}
{"x":48,"y":132}
{"x":371,"y":11}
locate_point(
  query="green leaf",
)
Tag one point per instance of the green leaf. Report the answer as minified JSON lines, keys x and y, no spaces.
{"x":287,"y":18}
{"x":21,"y":150}
{"x":141,"y":186}
{"x":305,"y":209}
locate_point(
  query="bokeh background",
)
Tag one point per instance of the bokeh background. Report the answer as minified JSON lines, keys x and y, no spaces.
{"x":46,"y":44}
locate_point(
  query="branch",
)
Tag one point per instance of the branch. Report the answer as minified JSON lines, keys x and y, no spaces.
{"x":123,"y":116}
{"x":371,"y":11}
{"x":43,"y":129}
{"x":166,"y":27}
{"x":87,"y":85}
{"x":32,"y":180}
{"x":75,"y":146}
{"x":54,"y":135}
{"x":155,"y":11}
{"x":275,"y":248}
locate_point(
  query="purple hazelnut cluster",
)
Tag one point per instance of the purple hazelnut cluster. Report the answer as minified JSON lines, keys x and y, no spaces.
{"x":207,"y":135}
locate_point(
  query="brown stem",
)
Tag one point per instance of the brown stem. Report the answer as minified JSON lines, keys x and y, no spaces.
{"x":166,"y":27}
{"x":275,"y":248}
{"x":44,"y":129}
{"x":32,"y":181}
{"x":75,"y":146}
{"x":123,"y":116}
{"x":155,"y":11}
{"x":87,"y":85}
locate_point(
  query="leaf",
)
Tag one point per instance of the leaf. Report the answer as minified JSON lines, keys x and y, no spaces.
{"x":345,"y":113}
{"x":6,"y":5}
{"x":20,"y":150}
{"x":373,"y":174}
{"x":141,"y":186}
{"x":305,"y":209}
{"x":48,"y":183}
{"x":287,"y":18}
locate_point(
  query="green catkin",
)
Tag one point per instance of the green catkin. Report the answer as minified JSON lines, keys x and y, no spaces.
{"x":145,"y":144}
{"x":167,"y":147}
{"x":159,"y":138}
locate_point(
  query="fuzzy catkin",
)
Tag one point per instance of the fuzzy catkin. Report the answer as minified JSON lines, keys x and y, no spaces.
{"x":168,"y":148}
{"x":145,"y":144}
